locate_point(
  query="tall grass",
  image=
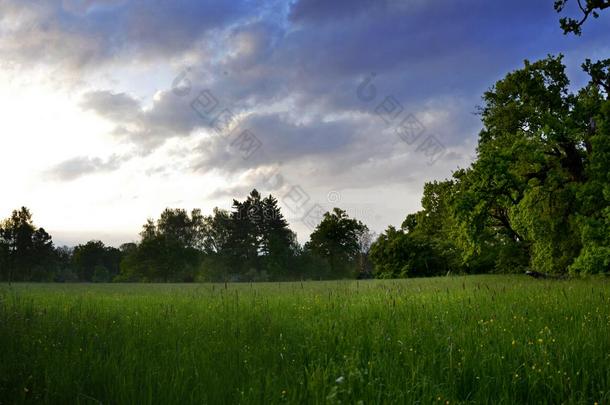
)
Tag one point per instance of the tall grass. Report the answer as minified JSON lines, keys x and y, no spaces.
{"x":483,"y":339}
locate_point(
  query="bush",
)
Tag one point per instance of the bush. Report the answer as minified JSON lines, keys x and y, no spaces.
{"x":592,"y":260}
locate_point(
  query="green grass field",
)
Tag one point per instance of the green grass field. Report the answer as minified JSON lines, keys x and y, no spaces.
{"x":477,"y":339}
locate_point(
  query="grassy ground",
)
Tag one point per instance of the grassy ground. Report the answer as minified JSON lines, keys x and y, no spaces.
{"x":483,"y":339}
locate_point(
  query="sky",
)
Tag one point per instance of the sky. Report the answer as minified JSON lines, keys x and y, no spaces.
{"x":113,"y":110}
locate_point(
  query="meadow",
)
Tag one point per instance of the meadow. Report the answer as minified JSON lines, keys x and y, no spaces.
{"x":474,"y":339}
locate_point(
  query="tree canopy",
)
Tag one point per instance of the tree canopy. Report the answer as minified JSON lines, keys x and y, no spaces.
{"x":24,"y":249}
{"x":586,"y":8}
{"x":538,"y":193}
{"x":336,"y":240}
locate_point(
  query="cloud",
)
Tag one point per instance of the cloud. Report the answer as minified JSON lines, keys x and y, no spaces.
{"x":118,"y":107}
{"x":146,"y":128}
{"x":80,"y":166}
{"x":88,"y":34}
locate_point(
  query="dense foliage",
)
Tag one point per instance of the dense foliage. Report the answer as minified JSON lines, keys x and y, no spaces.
{"x":538,"y":194}
{"x":252,"y":242}
{"x":25,"y":251}
{"x":337,"y":240}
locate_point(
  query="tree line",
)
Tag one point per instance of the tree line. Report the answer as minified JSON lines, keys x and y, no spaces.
{"x":250,"y":242}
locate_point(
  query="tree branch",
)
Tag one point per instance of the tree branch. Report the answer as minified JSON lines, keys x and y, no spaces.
{"x":572,"y":25}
